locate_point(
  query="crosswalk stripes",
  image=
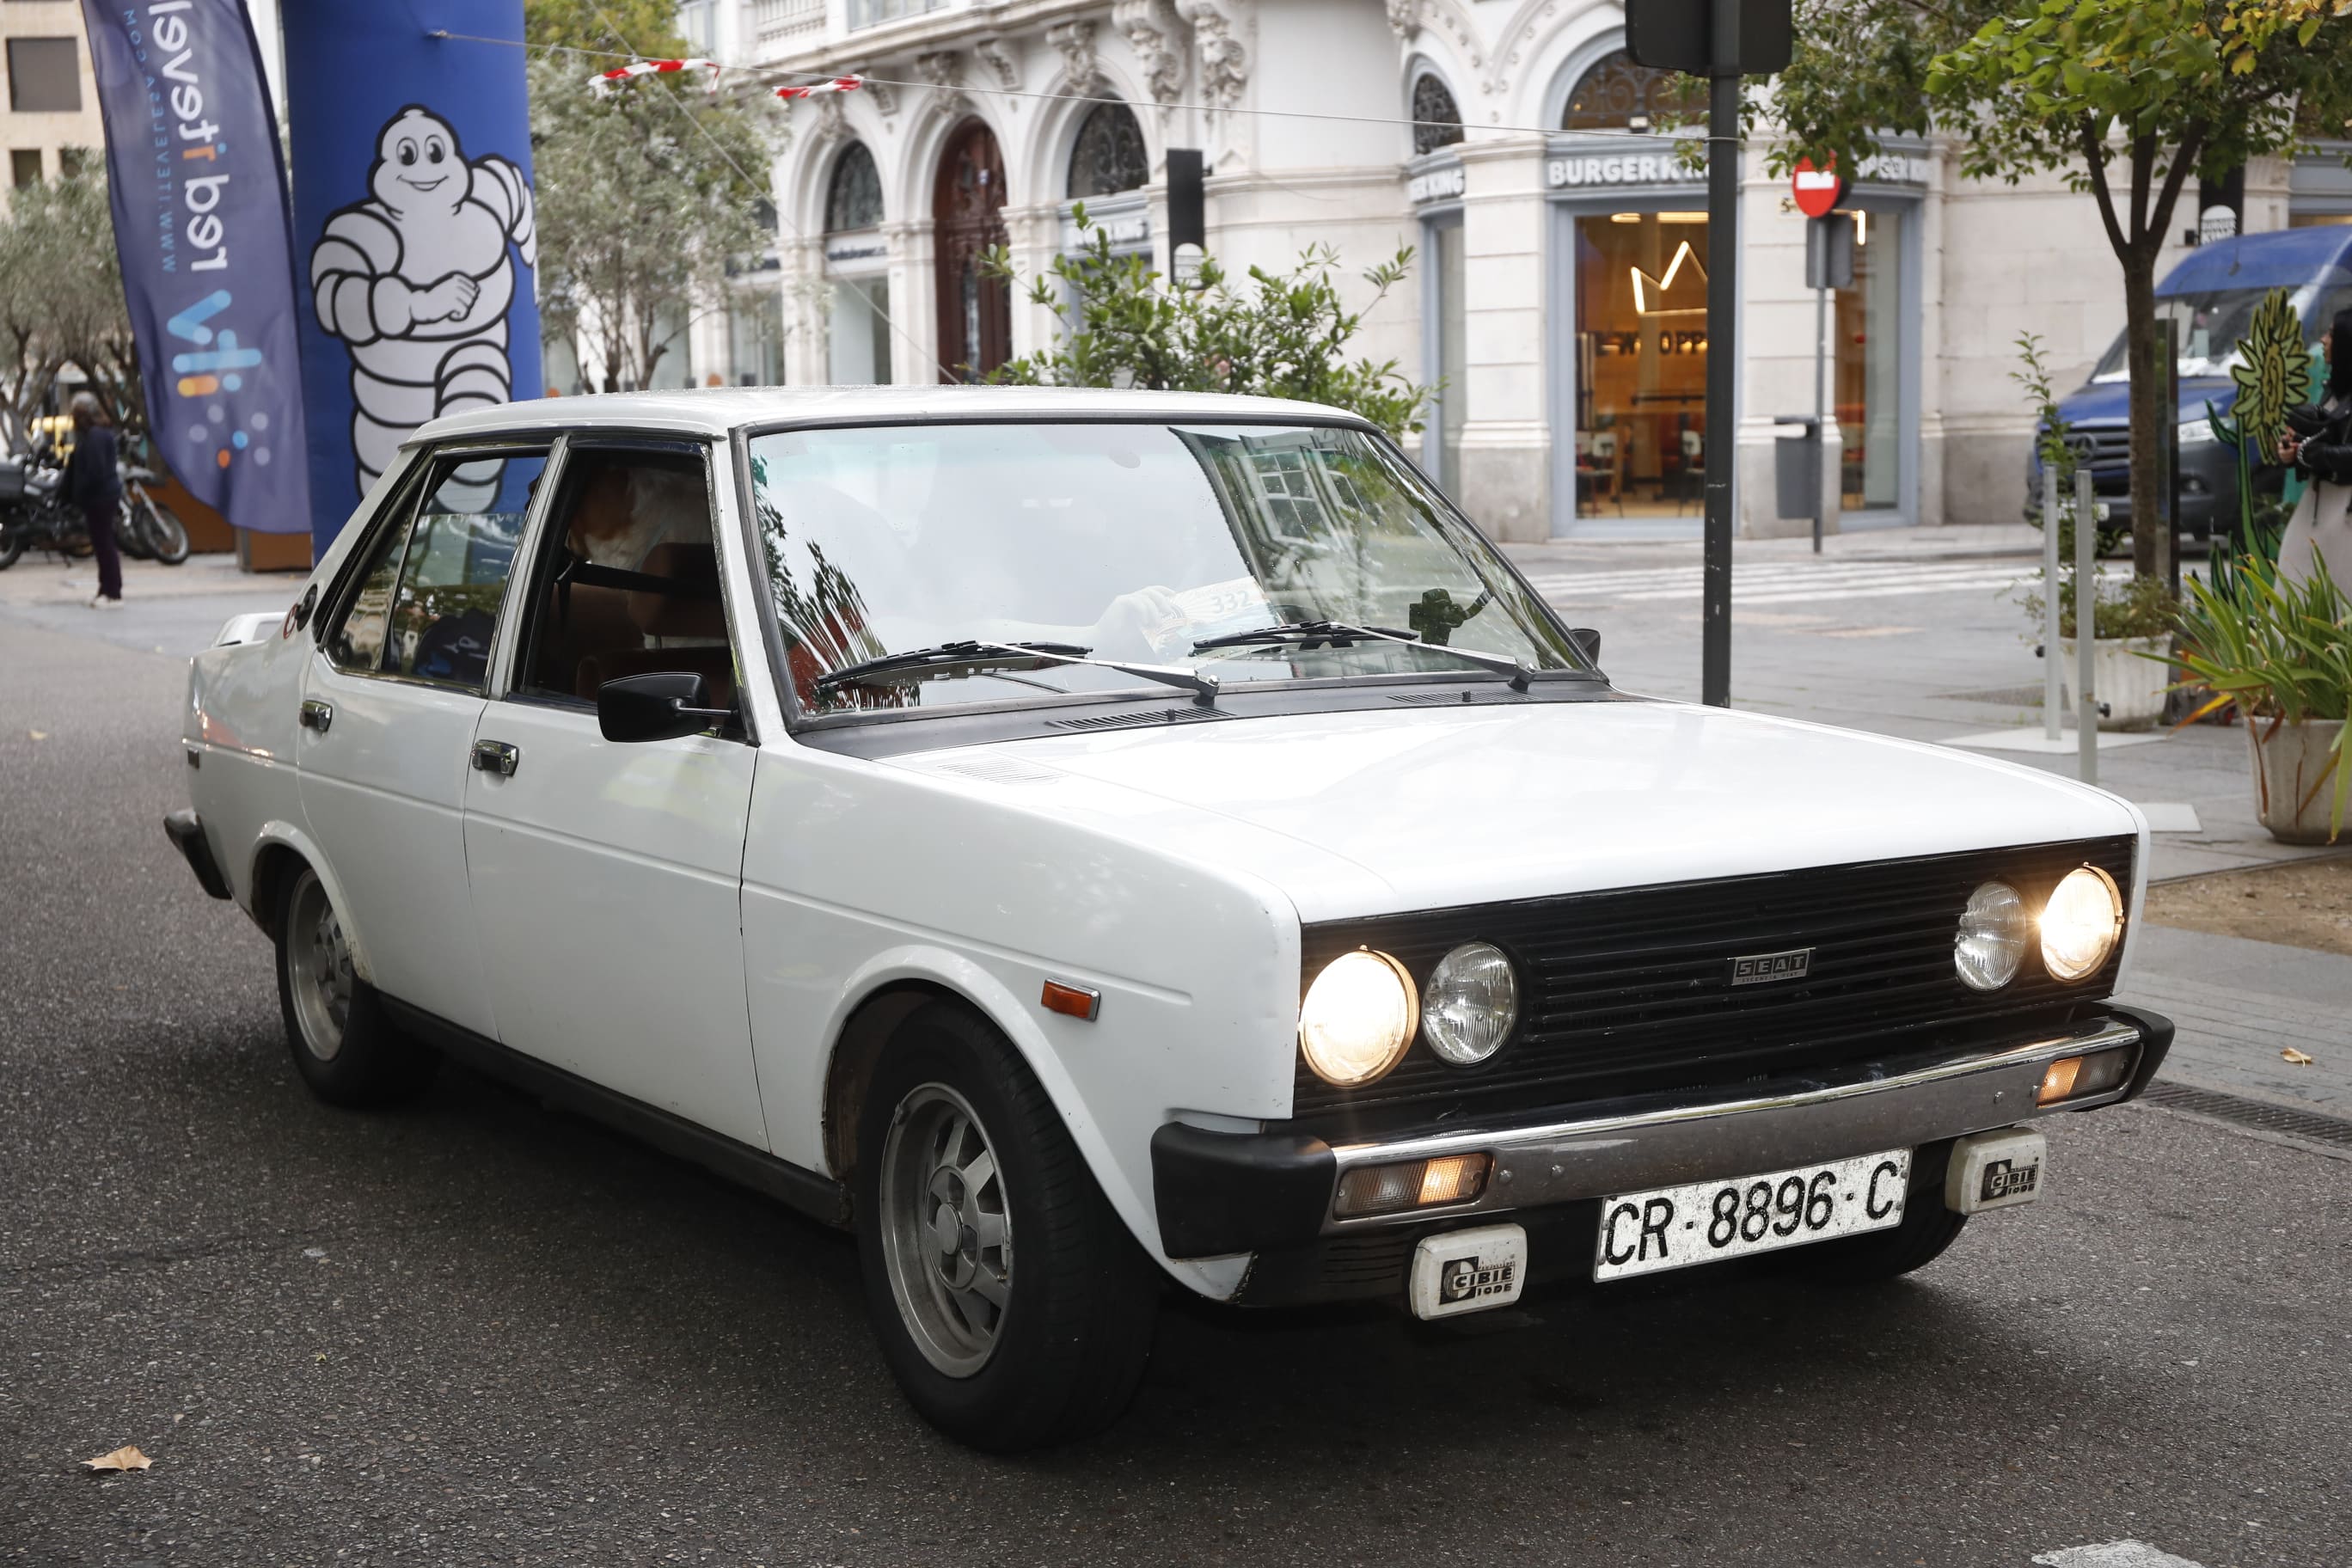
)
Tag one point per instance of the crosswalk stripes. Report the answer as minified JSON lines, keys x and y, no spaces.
{"x":1785,"y":582}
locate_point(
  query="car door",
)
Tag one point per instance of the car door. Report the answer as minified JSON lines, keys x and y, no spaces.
{"x":607,"y":878}
{"x":394,"y":689}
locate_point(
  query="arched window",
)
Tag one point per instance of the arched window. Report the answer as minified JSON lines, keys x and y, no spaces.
{"x":1109,"y":157}
{"x":1615,"y":94}
{"x":1436,"y":122}
{"x":854,"y":200}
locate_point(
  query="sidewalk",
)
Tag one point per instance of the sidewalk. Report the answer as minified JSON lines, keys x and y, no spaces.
{"x":172,"y":610}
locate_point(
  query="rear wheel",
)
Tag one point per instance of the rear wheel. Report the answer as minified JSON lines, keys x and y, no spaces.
{"x":12,"y":543}
{"x":166,"y":535}
{"x":1001,"y":1346}
{"x":344,"y":1044}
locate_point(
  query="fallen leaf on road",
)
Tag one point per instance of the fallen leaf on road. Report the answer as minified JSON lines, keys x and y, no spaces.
{"x":2300,"y":1058}
{"x":38,"y":734}
{"x":123,"y":1458}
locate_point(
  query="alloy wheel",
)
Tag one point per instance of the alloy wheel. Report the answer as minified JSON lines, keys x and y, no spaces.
{"x":945,"y":1229}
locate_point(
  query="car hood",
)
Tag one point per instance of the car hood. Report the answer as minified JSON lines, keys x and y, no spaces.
{"x":1376,"y":812}
{"x":2109,"y":401}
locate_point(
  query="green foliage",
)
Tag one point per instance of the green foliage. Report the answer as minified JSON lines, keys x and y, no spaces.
{"x":2142,"y":607}
{"x":645,"y":195}
{"x":62,"y":300}
{"x":1284,"y":335}
{"x":2054,"y":445}
{"x":2276,"y":650}
{"x":2126,"y":97}
{"x":643,"y":29}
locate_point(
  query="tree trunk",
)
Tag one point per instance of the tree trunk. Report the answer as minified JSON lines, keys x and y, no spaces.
{"x":2148,"y":411}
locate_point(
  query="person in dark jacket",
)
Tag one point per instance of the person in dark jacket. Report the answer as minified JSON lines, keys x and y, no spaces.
{"x":93,"y":483}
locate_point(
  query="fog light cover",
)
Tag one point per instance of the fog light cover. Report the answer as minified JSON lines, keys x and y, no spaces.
{"x":1991,"y":942}
{"x":1412,"y":1184}
{"x":2080,"y":923}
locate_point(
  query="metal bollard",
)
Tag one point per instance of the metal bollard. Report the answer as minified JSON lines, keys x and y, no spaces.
{"x":2052,"y":676}
{"x":2086,"y":623}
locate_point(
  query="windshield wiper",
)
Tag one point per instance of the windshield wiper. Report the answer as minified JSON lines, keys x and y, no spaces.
{"x":1340,"y":634}
{"x":1203,"y":688}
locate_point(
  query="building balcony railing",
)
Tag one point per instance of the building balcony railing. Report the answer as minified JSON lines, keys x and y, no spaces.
{"x":778,"y":21}
{"x":874,"y":13}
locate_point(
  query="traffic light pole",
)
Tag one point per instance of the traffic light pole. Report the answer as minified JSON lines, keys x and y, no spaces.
{"x":1722,"y":352}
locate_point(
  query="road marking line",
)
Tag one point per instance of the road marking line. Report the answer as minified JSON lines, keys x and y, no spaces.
{"x":2114,"y":1555}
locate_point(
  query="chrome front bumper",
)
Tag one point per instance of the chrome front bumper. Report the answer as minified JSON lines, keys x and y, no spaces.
{"x":1219,"y":1193}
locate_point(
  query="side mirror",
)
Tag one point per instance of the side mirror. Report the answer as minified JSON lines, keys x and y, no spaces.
{"x":658,"y":707}
{"x":1588,"y":643}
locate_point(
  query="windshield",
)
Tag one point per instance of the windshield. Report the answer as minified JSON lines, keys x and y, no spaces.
{"x":1138,"y":541}
{"x":2210,"y":325}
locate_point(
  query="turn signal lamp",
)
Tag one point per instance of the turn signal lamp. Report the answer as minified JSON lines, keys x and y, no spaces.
{"x":1412,"y":1184}
{"x":2079,"y":1077}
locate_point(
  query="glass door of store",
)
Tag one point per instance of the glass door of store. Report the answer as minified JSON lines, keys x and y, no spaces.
{"x":1867,"y":360}
{"x":1640,"y":370}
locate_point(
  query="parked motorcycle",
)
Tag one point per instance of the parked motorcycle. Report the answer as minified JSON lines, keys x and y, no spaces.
{"x":33,"y":512}
{"x":146,"y":527}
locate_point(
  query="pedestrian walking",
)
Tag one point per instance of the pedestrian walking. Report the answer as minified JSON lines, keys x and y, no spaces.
{"x":2319,"y":443}
{"x":93,"y":482}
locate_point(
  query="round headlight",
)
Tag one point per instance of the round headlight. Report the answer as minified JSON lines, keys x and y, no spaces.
{"x":1991,"y":942}
{"x":2080,"y":923}
{"x":1470,"y":1003}
{"x":1358,"y":1018}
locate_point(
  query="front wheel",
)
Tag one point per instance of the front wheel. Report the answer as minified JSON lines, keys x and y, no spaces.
{"x":1014,"y":1307}
{"x":11,"y":543}
{"x":345,"y":1044}
{"x":130,"y":533}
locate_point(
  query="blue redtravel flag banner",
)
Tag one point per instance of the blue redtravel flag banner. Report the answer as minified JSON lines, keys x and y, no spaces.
{"x":413,"y":233}
{"x":199,"y":200}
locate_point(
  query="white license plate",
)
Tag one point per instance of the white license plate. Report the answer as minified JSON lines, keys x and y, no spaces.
{"x":1673,"y":1227}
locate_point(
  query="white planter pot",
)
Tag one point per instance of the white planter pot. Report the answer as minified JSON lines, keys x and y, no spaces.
{"x":2294,"y":785}
{"x":2131,"y":686}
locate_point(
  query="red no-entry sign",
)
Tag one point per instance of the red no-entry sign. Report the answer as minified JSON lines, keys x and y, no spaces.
{"x":1817,"y":190}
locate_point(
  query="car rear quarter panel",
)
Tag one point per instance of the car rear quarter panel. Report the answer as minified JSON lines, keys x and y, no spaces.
{"x":858,"y":876}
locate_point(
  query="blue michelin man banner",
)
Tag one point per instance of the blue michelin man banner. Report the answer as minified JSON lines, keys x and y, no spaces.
{"x":413,"y":231}
{"x":199,"y":201}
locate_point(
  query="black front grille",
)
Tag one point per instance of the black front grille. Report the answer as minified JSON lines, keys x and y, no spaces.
{"x":1630,"y":989}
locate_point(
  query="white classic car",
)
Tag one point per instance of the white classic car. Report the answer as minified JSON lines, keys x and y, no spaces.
{"x":1089,"y":839}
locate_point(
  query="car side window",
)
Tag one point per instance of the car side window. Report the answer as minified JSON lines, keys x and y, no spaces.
{"x":428,"y":606}
{"x":629,"y":581}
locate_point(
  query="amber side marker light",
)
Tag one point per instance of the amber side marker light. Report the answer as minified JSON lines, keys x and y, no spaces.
{"x":1412,"y":1184}
{"x":1074,"y":1001}
{"x":2077,"y":1077}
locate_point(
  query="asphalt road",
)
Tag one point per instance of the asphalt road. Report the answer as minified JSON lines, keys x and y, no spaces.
{"x":478,"y":1332}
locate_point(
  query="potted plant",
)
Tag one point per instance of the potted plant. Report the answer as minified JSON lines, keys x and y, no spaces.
{"x":2280,"y":653}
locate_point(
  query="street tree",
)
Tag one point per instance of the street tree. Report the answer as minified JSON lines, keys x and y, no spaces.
{"x":1276,"y":334}
{"x":646,"y":192}
{"x":62,"y":300}
{"x":2125,"y":99}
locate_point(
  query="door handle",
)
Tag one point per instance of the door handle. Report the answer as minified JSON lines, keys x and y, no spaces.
{"x":316,"y":715}
{"x":495,"y":757}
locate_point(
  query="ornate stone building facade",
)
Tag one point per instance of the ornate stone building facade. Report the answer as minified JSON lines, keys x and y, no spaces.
{"x":1561,"y":241}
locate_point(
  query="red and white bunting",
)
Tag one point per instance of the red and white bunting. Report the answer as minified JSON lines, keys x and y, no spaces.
{"x":838,"y":84}
{"x":605,"y":82}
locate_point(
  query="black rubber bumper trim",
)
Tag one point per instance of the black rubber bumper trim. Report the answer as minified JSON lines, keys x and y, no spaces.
{"x":1222,"y":1192}
{"x":2154,"y":1040}
{"x":185,"y":830}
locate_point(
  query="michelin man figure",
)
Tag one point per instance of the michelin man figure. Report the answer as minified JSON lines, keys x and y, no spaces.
{"x":416,"y":280}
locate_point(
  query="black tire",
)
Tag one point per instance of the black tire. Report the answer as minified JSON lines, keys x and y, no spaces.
{"x":167,"y":536}
{"x":12,"y":545}
{"x":1927,"y":1228}
{"x":361,"y":1060}
{"x":1067,"y":1346}
{"x":130,"y":533}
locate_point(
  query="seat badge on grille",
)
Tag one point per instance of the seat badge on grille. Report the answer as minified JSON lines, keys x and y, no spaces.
{"x":1771,"y":968}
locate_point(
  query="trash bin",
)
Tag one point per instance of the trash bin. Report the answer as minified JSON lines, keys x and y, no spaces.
{"x":1797,"y":465}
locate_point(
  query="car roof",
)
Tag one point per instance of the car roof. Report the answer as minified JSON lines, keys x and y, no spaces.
{"x":718,"y":410}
